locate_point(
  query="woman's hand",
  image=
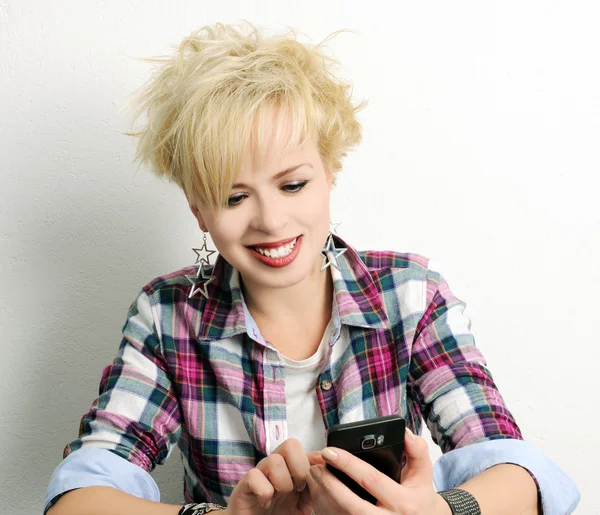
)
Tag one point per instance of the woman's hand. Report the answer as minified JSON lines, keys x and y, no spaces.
{"x":415,"y":496}
{"x":277,"y":485}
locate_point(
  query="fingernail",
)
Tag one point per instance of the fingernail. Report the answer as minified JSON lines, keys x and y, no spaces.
{"x":315,"y":472}
{"x":268,"y":504}
{"x":410,"y":434}
{"x":301,"y":486}
{"x":329,"y":454}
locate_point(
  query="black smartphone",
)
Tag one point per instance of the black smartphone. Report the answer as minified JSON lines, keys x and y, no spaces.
{"x":378,"y":441}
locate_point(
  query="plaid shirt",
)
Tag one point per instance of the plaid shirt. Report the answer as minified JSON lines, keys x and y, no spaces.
{"x":196,"y":372}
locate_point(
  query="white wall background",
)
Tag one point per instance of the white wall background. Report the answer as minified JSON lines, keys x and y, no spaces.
{"x":480,"y":150}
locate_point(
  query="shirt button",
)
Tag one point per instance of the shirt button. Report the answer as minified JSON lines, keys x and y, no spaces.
{"x":326,"y":385}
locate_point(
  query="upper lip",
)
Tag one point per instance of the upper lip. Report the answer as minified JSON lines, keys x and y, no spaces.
{"x":273,"y":244}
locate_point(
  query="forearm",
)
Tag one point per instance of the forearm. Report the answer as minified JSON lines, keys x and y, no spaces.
{"x":102,"y":500}
{"x":504,"y":490}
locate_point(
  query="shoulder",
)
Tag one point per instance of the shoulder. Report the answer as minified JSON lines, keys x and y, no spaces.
{"x":163,"y":305}
{"x":173,"y":282}
{"x":218,"y":315}
{"x":402,"y":271}
{"x":381,"y":261}
{"x":168,"y":289}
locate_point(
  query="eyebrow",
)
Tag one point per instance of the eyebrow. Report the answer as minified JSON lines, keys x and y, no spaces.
{"x":277,"y":176}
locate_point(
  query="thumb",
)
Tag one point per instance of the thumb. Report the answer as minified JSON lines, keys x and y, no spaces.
{"x":254,"y":488}
{"x":418,"y":469}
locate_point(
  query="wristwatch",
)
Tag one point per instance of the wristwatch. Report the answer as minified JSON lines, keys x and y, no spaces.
{"x":200,"y":508}
{"x":461,"y":502}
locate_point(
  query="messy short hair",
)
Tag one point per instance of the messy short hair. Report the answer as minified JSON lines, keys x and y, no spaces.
{"x":204,"y":104}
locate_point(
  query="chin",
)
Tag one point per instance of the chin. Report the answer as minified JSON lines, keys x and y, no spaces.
{"x":276,"y":278}
{"x":279,"y":278}
{"x":286,"y":282}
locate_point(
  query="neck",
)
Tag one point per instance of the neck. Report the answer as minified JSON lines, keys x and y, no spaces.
{"x":306,"y":300}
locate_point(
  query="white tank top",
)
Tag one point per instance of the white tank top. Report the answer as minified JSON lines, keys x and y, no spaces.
{"x":304,"y":418}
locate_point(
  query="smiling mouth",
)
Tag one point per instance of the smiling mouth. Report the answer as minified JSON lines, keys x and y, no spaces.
{"x":279,"y":252}
{"x":278,"y":257}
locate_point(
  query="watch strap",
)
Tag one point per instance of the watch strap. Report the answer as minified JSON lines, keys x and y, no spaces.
{"x":461,"y":502}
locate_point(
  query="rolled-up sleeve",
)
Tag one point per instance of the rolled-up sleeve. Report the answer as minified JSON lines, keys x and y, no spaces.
{"x":448,"y":377}
{"x":559,"y":495}
{"x":136,"y":416}
{"x":454,"y":391}
{"x":99,"y":467}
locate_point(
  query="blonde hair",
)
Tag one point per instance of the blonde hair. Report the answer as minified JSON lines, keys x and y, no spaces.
{"x":204,"y":106}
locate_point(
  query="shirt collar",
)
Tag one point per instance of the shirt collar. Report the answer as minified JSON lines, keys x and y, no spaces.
{"x":357,"y":301}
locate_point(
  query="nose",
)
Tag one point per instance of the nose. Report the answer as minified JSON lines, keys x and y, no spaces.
{"x":270,"y":216}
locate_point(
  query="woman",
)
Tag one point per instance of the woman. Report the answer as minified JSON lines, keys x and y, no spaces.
{"x":246,"y":361}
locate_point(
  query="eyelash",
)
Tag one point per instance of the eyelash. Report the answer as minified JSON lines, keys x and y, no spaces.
{"x":292,"y":188}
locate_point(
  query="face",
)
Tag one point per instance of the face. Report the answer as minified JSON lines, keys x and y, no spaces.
{"x":277,"y":218}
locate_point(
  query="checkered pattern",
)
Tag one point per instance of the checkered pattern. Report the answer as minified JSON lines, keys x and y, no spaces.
{"x":196,"y":372}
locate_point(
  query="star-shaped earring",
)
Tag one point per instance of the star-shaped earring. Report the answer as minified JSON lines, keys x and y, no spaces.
{"x":330,"y":253}
{"x":203,"y":254}
{"x":333,"y":227}
{"x":200,"y":281}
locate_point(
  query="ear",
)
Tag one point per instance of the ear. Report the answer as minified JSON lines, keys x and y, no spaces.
{"x":198,"y":216}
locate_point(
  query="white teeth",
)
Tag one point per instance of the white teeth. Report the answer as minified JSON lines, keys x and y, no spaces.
{"x":282,"y":251}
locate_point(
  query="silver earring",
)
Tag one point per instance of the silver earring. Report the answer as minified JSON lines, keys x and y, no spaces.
{"x":330,"y":252}
{"x":203,"y":253}
{"x":203,"y":276}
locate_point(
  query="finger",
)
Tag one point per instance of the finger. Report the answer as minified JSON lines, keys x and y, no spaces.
{"x":320,"y":498}
{"x":296,"y":460}
{"x":305,"y":504}
{"x":276,"y":471}
{"x":419,"y":468}
{"x":382,"y":487}
{"x":330,"y":495}
{"x":313,"y":486}
{"x":257,"y":485}
{"x":315,"y":458}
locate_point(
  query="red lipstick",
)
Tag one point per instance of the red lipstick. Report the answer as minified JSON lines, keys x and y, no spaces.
{"x":273,"y":244}
{"x":278,"y":262}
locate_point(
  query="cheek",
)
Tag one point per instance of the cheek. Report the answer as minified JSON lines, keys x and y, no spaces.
{"x":224,"y":233}
{"x":321,"y":205}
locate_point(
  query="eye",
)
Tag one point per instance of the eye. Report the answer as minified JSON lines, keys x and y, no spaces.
{"x":234,"y":200}
{"x":295,"y":187}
